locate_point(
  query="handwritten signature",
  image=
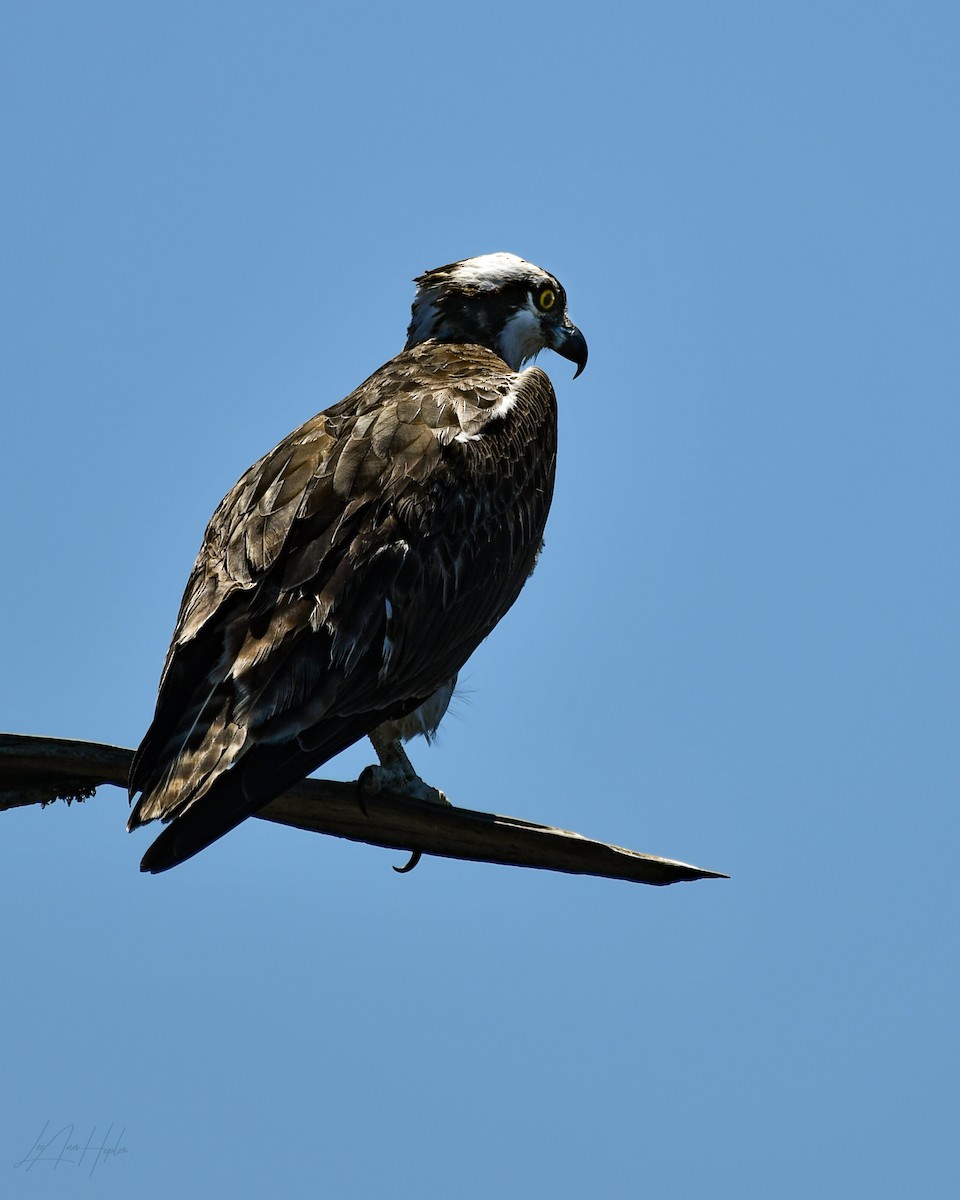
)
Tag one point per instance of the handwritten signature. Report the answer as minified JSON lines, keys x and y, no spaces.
{"x":62,"y":1149}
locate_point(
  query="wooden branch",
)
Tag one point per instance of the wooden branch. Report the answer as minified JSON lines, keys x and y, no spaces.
{"x":36,"y":770}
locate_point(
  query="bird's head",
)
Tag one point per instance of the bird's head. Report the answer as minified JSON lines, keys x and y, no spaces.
{"x":499,"y":301}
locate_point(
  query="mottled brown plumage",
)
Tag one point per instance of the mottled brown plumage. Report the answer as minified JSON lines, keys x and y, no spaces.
{"x":351,"y":572}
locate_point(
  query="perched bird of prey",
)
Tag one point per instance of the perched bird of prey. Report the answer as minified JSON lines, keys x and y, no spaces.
{"x":352,"y":571}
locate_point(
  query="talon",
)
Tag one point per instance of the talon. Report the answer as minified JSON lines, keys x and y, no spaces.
{"x":415,"y":856}
{"x":370,"y":783}
{"x":375,"y":780}
{"x":395,"y":773}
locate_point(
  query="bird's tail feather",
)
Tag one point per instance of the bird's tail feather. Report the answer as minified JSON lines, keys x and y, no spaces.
{"x":224,"y":806}
{"x":263,"y":772}
{"x":174,"y":782}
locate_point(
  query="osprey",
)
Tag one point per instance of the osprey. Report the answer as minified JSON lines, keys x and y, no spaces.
{"x":352,"y":571}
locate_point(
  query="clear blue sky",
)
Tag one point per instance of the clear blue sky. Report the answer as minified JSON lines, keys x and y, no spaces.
{"x":740,"y":648}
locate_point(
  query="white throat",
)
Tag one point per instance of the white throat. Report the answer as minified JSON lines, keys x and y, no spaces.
{"x":522,"y":337}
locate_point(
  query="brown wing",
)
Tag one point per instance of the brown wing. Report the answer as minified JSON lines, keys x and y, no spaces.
{"x":348,"y":575}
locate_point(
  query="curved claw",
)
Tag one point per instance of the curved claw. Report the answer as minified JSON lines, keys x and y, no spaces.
{"x":364,"y":790}
{"x":415,"y":856}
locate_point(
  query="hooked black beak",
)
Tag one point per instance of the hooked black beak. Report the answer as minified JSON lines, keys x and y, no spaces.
{"x":569,"y":342}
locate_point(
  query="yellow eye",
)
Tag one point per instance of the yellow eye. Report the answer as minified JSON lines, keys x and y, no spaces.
{"x":547,"y":299}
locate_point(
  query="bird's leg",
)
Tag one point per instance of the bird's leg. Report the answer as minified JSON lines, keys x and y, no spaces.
{"x":395,"y":772}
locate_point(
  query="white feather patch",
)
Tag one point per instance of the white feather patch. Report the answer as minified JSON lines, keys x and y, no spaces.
{"x":498,"y":410}
{"x":490,"y":271}
{"x":388,"y":642}
{"x":522,"y":337}
{"x":423,"y":721}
